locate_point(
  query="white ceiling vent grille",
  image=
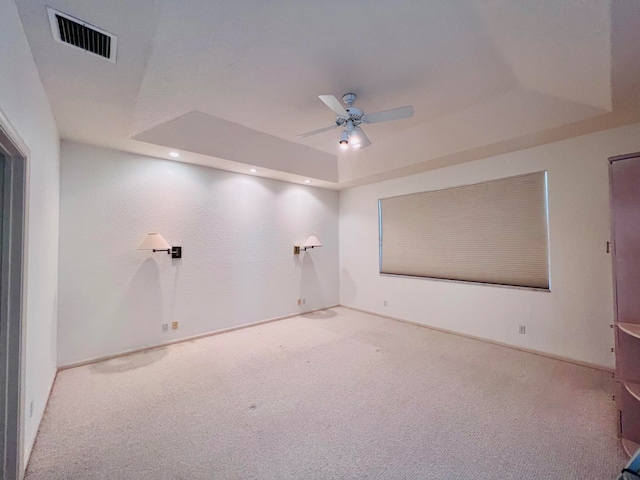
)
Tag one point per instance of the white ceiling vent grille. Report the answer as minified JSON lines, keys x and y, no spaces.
{"x":82,"y":35}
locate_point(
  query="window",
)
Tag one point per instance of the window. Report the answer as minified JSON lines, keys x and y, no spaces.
{"x":493,"y":232}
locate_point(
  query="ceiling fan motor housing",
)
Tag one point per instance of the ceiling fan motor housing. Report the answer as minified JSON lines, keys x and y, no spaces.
{"x":355,"y":113}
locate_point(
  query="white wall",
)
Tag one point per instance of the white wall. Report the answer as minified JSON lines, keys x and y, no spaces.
{"x":24,"y":103}
{"x":237,"y":233}
{"x":570,"y":321}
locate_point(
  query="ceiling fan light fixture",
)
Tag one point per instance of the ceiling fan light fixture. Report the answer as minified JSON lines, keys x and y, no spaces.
{"x":355,"y":140}
{"x":344,"y":140}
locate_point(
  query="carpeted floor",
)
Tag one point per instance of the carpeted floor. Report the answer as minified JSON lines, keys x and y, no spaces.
{"x":337,"y":394}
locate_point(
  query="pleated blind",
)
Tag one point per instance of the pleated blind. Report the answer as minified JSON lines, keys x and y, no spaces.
{"x":492,"y":232}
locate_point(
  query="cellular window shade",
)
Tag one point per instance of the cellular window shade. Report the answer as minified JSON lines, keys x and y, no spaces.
{"x":492,"y":232}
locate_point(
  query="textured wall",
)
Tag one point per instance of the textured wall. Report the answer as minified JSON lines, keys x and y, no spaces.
{"x":572,"y":320}
{"x":24,"y":103}
{"x":237,"y":232}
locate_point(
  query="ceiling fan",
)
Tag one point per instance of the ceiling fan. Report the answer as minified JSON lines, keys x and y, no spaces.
{"x":350,"y":118}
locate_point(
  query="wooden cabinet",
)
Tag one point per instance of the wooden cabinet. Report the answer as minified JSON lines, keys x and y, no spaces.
{"x":625,"y":205}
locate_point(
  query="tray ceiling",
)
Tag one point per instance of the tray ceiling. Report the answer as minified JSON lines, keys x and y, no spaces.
{"x":230,"y":84}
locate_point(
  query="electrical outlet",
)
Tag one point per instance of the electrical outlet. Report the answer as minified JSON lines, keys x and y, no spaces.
{"x":385,"y":303}
{"x":522,"y":329}
{"x":165,"y":327}
{"x":304,"y":300}
{"x":174,"y":325}
{"x":31,"y":409}
{"x":299,"y":301}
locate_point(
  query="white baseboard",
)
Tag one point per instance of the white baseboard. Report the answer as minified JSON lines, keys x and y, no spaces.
{"x":275,"y":319}
{"x":486,"y":340}
{"x":184,"y":339}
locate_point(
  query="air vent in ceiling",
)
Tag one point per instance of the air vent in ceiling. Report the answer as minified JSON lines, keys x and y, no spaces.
{"x":82,"y":35}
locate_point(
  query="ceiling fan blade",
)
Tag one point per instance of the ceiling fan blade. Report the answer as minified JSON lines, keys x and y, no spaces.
{"x":364,"y":140}
{"x":334,"y":104}
{"x":387,"y":115}
{"x":308,"y":134}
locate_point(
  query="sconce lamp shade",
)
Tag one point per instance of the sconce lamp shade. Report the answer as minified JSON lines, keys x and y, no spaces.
{"x":312,"y":241}
{"x":154,"y":241}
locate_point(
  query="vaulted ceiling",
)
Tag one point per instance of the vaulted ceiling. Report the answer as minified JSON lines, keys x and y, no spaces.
{"x":230,"y":84}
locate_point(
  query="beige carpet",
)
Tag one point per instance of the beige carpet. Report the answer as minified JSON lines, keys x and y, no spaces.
{"x":337,"y":394}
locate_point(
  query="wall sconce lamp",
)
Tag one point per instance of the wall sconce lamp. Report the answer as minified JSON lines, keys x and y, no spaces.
{"x":311,"y":242}
{"x":156,"y":243}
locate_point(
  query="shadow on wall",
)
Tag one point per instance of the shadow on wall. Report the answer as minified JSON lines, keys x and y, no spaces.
{"x":176,"y":263}
{"x":320,"y":315}
{"x":129,"y":362}
{"x":348,"y":289}
{"x":139,"y":313}
{"x":309,"y":284}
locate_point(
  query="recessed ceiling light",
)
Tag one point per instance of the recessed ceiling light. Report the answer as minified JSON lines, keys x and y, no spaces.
{"x":174,"y":154}
{"x":307,"y":181}
{"x":253,"y":170}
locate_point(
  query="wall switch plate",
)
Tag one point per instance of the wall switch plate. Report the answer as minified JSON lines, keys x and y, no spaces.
{"x":385,"y":303}
{"x":299,"y":301}
{"x":304,"y":300}
{"x":31,"y":409}
{"x":522,"y":329}
{"x":165,"y":327}
{"x":174,"y":325}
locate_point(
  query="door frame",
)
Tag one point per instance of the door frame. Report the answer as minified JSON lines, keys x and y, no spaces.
{"x":13,"y":299}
